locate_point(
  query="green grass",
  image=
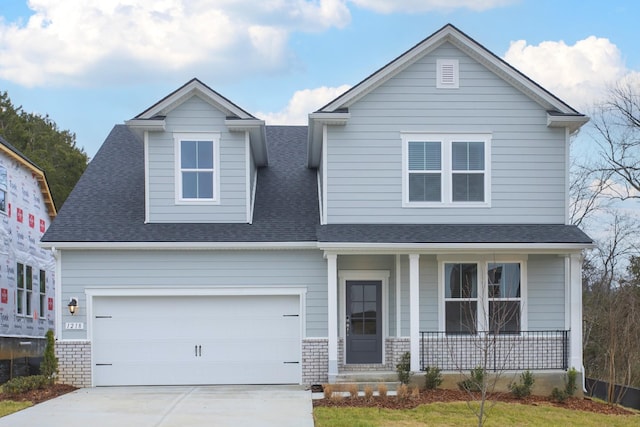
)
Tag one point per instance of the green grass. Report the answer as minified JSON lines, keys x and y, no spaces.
{"x":9,"y":407}
{"x":458,"y":414}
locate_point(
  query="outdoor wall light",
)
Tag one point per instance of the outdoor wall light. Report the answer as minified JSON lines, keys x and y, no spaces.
{"x":73,"y":305}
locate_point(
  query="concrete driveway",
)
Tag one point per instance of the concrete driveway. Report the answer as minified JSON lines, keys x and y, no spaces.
{"x":193,"y":406}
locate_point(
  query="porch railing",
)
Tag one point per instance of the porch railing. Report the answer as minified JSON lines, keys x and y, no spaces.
{"x":526,"y":350}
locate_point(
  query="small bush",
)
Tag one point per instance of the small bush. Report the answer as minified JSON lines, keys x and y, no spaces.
{"x":403,"y":368}
{"x":353,"y":390}
{"x":368,"y":392}
{"x":475,"y":381}
{"x":49,"y":365}
{"x":23,"y":384}
{"x":569,"y":387}
{"x":415,"y":393}
{"x":402,"y":392}
{"x":523,"y":388}
{"x":382,"y":390}
{"x":432,"y":378}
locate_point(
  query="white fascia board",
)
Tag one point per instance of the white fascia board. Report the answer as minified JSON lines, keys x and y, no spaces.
{"x":467,"y":45}
{"x":571,"y":122}
{"x":153,"y":125}
{"x":443,"y":248}
{"x":258,"y":137}
{"x":194,"y":87}
{"x":180,"y":245}
{"x":317,"y":123}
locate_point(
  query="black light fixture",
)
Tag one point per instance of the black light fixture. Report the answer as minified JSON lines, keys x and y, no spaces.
{"x":73,"y":305}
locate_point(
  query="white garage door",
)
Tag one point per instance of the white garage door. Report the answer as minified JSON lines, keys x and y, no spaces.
{"x":180,"y":340}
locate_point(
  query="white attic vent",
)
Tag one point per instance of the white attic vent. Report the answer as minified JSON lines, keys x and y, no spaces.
{"x":447,"y":76}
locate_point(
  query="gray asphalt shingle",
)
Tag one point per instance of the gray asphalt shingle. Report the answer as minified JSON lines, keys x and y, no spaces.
{"x":107,"y":205}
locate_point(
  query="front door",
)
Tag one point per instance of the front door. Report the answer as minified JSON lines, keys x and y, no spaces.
{"x":364,"y":321}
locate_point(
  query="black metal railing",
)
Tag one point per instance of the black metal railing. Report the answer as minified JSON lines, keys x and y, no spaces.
{"x":526,"y":350}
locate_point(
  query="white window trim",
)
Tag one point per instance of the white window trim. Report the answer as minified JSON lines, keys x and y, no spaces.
{"x":446,"y":140}
{"x":199,"y":136}
{"x":482,"y":322}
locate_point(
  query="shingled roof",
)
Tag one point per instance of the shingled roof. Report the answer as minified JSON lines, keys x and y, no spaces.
{"x":107,"y":205}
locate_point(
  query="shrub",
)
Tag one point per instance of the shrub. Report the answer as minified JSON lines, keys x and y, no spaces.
{"x":368,"y":392}
{"x":415,"y":393}
{"x":23,"y":384}
{"x":327,"y":391}
{"x":432,"y":378}
{"x":402,"y":392}
{"x":353,"y":390}
{"x":569,"y":387}
{"x":382,"y":390}
{"x":49,"y":365}
{"x":403,"y":368}
{"x":523,"y":388}
{"x":474,"y":382}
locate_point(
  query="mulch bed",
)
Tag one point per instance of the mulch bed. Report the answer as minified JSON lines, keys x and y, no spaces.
{"x":441,"y":395}
{"x":40,"y":395}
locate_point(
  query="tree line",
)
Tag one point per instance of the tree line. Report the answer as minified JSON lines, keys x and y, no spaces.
{"x":41,"y":141}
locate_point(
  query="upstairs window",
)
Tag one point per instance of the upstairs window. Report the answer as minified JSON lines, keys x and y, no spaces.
{"x":446,"y":170}
{"x":197,"y":170}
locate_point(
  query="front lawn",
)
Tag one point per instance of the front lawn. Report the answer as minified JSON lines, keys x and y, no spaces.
{"x":458,"y":414}
{"x":9,"y":407}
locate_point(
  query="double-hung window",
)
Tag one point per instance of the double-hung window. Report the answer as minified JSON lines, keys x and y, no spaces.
{"x":197,"y":168}
{"x":483,"y":296}
{"x":446,"y":170}
{"x":24,"y":289}
{"x":43,"y":293}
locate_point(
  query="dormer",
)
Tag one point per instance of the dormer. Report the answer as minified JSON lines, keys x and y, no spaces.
{"x":201,"y":157}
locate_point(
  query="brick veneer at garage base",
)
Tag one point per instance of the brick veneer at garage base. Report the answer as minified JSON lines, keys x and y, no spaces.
{"x":74,"y":360}
{"x":74,"y":363}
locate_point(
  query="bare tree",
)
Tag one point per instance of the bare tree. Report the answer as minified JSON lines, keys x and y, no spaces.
{"x":617,"y":125}
{"x":612,"y":307}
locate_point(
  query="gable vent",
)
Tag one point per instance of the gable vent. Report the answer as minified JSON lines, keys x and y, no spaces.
{"x":447,"y":74}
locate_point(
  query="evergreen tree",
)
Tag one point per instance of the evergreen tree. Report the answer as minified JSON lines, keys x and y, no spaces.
{"x":40,"y":140}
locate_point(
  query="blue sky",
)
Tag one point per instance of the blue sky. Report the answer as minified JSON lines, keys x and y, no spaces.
{"x":91,"y":64}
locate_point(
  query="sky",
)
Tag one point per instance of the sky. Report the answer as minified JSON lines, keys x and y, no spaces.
{"x":91,"y":64}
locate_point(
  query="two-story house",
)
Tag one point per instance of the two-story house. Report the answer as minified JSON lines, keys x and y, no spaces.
{"x":422,"y":210}
{"x":26,"y":270}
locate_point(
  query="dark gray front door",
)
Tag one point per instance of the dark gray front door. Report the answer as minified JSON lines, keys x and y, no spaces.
{"x":364,"y":321}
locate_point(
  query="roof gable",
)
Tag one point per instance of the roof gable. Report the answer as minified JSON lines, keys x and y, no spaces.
{"x":38,"y":173}
{"x":559,"y":113}
{"x":237,"y":119}
{"x":469,"y":46}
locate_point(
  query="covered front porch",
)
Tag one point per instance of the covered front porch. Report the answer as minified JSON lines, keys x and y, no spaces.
{"x":383,"y":303}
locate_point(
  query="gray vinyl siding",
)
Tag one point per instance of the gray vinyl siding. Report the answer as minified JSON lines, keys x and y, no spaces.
{"x":175,"y":269}
{"x":195,"y":115}
{"x":428,"y":293}
{"x":545,"y":304}
{"x":364,"y":174}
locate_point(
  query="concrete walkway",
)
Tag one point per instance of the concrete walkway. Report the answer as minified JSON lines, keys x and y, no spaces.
{"x":193,"y":406}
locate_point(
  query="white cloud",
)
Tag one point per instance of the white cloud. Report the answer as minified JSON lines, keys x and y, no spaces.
{"x":301,"y":104}
{"x":579,"y":74}
{"x":104,"y":40}
{"x":411,"y":6}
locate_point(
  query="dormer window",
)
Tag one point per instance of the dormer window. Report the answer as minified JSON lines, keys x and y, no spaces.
{"x":197,"y":170}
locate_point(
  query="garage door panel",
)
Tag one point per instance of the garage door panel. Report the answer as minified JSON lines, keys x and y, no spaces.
{"x":196,"y":340}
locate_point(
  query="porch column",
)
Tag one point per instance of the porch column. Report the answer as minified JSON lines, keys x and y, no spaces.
{"x":575,"y":298}
{"x":414,"y":307}
{"x":332,"y":313}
